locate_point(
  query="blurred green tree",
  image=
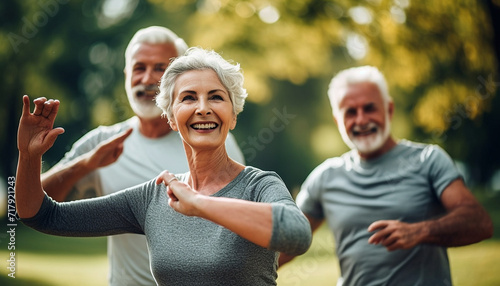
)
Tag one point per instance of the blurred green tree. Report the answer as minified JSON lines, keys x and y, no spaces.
{"x":440,"y":60}
{"x":72,"y":51}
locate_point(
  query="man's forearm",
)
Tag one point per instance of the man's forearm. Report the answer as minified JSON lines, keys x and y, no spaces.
{"x":465,"y":225}
{"x":58,"y":181}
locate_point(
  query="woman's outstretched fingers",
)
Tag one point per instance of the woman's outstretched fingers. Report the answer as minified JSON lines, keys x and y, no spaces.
{"x":47,"y":108}
{"x":36,"y":133}
{"x":55,"y":109}
{"x":26,"y":105}
{"x":39,"y":105}
{"x":52,"y":136}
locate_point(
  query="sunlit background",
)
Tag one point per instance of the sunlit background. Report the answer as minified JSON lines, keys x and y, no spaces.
{"x":440,"y":59}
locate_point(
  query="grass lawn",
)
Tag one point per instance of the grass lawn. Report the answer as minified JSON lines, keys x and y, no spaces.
{"x":49,"y":260}
{"x":472,"y":265}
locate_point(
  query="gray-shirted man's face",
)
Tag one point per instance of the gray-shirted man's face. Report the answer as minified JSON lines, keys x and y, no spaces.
{"x":364,"y":118}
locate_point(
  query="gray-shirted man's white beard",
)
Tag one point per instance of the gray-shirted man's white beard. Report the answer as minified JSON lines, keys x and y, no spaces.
{"x":146,"y":109}
{"x":366,"y":144}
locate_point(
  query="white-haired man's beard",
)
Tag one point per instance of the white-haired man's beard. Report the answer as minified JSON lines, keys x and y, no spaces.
{"x":368,"y":138}
{"x":141,"y":98}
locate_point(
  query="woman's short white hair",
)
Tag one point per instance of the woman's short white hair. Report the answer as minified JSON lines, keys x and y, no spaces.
{"x":339,"y":84}
{"x":155,"y":35}
{"x":195,"y":58}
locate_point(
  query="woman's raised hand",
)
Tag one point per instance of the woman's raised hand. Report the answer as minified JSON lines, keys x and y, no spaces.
{"x":36,"y":133}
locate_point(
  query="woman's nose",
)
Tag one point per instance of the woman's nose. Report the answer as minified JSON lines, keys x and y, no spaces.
{"x":203,"y":107}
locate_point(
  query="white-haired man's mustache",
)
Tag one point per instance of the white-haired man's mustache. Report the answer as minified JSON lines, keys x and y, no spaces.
{"x":143,"y":89}
{"x":370,"y":127}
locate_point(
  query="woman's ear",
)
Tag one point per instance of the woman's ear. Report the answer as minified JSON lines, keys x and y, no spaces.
{"x":172,"y":124}
{"x":233,"y":122}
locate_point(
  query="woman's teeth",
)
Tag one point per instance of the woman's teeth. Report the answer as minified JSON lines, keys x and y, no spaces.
{"x":204,"y":126}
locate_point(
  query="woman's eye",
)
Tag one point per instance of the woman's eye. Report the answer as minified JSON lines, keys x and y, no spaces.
{"x":217,"y":97}
{"x":187,"y":97}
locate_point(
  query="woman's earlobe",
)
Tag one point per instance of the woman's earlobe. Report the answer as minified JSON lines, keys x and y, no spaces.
{"x":233,"y":123}
{"x":173,"y":126}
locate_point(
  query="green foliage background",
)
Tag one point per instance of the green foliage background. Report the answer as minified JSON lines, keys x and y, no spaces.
{"x":439,"y":58}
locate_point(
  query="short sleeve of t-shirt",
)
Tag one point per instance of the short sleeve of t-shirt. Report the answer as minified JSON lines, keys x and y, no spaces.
{"x":436,"y":164}
{"x":441,"y":168}
{"x":309,"y":197}
{"x":91,"y":182}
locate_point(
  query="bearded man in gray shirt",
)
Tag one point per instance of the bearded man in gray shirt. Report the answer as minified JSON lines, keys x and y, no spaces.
{"x":393,"y":206}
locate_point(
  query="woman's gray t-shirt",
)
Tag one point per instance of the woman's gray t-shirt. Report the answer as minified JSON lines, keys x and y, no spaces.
{"x":188,"y":250}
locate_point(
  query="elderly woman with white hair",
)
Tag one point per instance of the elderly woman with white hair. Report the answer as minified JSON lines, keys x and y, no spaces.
{"x":221,"y":223}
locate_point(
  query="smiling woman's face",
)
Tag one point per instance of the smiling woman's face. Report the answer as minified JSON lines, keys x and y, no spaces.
{"x":202,"y":109}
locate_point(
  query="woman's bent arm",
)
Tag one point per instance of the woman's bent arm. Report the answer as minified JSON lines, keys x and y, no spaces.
{"x":277,"y":224}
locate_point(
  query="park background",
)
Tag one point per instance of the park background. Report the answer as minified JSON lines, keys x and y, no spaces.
{"x":440,"y":59}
